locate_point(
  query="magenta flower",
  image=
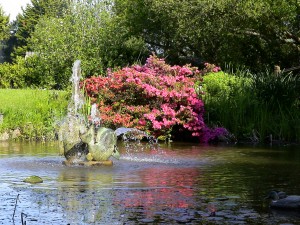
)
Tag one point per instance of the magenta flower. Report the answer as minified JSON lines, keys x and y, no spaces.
{"x":153,"y":97}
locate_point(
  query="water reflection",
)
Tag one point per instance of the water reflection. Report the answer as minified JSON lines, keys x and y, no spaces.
{"x":175,"y":184}
{"x":160,"y":188}
{"x":14,"y":148}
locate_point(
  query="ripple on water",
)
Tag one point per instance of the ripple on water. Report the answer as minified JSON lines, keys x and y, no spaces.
{"x":162,"y":159}
{"x":156,"y":187}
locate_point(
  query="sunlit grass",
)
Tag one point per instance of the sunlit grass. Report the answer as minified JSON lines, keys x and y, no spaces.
{"x":34,"y":112}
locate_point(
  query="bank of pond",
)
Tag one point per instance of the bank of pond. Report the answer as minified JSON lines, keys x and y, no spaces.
{"x":33,"y":114}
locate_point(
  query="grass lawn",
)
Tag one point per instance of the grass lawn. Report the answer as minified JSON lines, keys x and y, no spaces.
{"x":34,"y":112}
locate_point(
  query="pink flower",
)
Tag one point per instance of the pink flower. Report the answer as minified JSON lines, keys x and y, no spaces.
{"x":142,"y":122}
{"x":153,"y":97}
{"x":156,"y":125}
{"x":150,"y":116}
{"x":185,"y":71}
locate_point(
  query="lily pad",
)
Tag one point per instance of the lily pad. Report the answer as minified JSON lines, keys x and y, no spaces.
{"x":33,"y":180}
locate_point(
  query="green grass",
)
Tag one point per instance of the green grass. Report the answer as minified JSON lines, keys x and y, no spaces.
{"x":34,"y":112}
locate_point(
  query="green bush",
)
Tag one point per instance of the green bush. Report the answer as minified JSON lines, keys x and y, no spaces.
{"x":38,"y":75}
{"x":256,"y":106}
{"x":12,"y":75}
{"x":228,"y":100}
{"x":30,"y":72}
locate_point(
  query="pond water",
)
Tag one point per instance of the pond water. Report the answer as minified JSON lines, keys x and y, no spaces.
{"x":180,"y":183}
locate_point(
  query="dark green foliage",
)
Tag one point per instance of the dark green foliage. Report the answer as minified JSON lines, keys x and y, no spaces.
{"x":117,"y":33}
{"x":246,"y":33}
{"x":99,"y":42}
{"x":283,"y":89}
{"x":4,"y":33}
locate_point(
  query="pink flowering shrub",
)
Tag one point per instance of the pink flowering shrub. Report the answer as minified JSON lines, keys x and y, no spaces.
{"x":155,"y":98}
{"x":210,"y":68}
{"x":213,"y":134}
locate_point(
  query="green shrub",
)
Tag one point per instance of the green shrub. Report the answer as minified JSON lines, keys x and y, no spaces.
{"x":38,"y":75}
{"x":12,"y":75}
{"x":228,"y":100}
{"x":31,"y":72}
{"x":255,"y":106}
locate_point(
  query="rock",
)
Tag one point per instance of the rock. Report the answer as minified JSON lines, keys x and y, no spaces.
{"x":16,"y":133}
{"x":33,"y":180}
{"x":101,"y":143}
{"x":222,"y":198}
{"x":69,"y":130}
{"x":81,"y":145}
{"x":290,"y":202}
{"x":89,"y":157}
{"x":146,"y":220}
{"x":4,"y":136}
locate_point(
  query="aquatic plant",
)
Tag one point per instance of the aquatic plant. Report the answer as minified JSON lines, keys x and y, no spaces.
{"x":156,"y":97}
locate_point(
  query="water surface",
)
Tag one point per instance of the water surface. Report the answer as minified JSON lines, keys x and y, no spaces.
{"x":180,"y":183}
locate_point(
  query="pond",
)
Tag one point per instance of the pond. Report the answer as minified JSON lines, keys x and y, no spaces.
{"x":179,"y":183}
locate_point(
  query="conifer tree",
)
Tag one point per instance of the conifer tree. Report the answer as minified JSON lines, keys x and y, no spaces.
{"x":4,"y":25}
{"x":4,"y":33}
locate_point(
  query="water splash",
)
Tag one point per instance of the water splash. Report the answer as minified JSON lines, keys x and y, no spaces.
{"x":145,"y":158}
{"x":77,"y":100}
{"x":95,"y":116}
{"x":74,"y":123}
{"x":133,"y":134}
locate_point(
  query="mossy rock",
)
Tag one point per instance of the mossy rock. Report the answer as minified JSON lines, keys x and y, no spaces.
{"x":89,"y":157}
{"x":33,"y":180}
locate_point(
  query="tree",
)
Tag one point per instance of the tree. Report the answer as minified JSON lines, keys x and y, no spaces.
{"x":4,"y":32}
{"x":27,"y":20}
{"x":4,"y":25}
{"x":91,"y":33}
{"x":250,"y":32}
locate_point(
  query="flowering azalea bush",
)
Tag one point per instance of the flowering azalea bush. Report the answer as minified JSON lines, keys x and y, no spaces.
{"x":154,"y":98}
